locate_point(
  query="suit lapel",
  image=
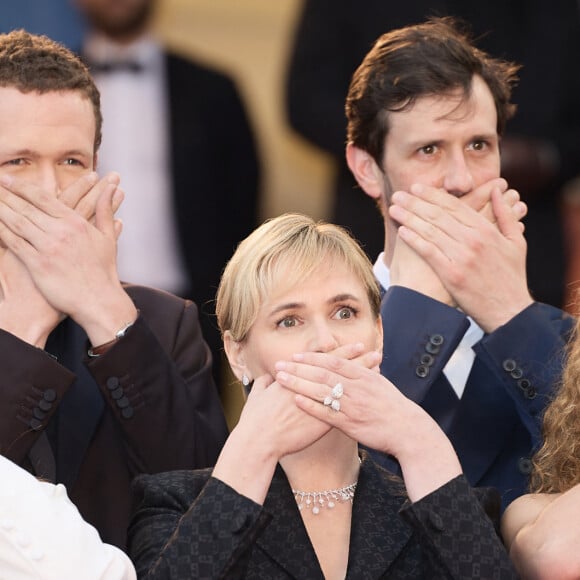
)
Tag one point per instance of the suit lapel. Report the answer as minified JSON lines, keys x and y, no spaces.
{"x":82,"y":406}
{"x":286,"y":541}
{"x":378,"y":534}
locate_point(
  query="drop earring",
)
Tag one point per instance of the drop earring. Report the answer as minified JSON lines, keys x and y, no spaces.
{"x":245,"y":380}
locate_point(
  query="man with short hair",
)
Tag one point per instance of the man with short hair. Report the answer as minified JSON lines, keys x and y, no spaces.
{"x":100,"y":380}
{"x":462,"y":335}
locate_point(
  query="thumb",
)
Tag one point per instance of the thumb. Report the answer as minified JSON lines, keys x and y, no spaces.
{"x":118,"y":225}
{"x":104,"y":213}
{"x":508,"y":223}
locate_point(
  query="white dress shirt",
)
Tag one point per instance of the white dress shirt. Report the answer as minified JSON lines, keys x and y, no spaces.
{"x":43,"y":536}
{"x":459,"y":364}
{"x":136,"y":144}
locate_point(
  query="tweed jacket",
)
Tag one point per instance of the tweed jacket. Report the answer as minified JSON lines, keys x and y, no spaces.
{"x":147,"y":405}
{"x":190,"y":525}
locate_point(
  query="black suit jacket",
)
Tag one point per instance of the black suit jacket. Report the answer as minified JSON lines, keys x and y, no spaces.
{"x":215,"y":177}
{"x":189,"y":525}
{"x":149,"y":404}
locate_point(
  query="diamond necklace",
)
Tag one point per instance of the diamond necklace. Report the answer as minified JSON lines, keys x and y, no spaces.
{"x":314,"y":500}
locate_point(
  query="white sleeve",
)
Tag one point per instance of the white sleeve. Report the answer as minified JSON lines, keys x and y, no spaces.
{"x":43,"y":536}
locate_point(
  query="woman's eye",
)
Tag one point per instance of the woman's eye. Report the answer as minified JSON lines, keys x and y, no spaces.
{"x":287,"y":322}
{"x":345,"y":313}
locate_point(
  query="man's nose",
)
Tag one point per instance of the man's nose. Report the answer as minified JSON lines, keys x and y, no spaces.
{"x":458,"y":179}
{"x":47,"y":179}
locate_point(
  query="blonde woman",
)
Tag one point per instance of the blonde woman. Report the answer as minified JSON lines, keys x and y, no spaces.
{"x":290,"y":495}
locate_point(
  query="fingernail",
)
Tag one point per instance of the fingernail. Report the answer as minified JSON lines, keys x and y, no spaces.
{"x":398,"y":196}
{"x":6,"y":180}
{"x":416,"y":188}
{"x":280,"y":365}
{"x":282,"y":376}
{"x":298,"y":356}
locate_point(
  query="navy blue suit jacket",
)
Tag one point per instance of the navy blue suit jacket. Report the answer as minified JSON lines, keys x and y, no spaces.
{"x":496,"y":424}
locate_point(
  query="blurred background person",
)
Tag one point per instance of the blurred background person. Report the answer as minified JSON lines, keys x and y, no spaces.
{"x":178,"y":134}
{"x":540,"y":150}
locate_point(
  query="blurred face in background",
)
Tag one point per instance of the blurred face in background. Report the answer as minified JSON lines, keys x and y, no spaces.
{"x":121,"y":20}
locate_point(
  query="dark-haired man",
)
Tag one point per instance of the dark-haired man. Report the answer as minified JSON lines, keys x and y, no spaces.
{"x":100,"y":380}
{"x":462,"y":335}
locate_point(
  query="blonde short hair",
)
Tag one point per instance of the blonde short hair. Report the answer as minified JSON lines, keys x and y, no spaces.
{"x":290,"y":240}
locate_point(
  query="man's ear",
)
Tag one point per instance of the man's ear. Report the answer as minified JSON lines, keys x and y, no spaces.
{"x":95,"y":161}
{"x":235,"y":353}
{"x":365,"y":170}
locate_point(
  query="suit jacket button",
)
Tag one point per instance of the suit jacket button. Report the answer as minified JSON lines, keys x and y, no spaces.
{"x":517,"y":373}
{"x":432,"y":348}
{"x":509,"y":364}
{"x":524,"y":465}
{"x":436,"y":339}
{"x":531,"y":393}
{"x":112,"y":383}
{"x":127,"y":412}
{"x":524,"y":384}
{"x":44,"y":405}
{"x":422,"y":371}
{"x":427,"y":359}
{"x":38,"y":413}
{"x":123,"y":403}
{"x":117,"y":393}
{"x":35,"y":424}
{"x":49,"y":395}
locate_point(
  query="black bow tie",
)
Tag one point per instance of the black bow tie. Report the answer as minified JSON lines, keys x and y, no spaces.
{"x":107,"y":67}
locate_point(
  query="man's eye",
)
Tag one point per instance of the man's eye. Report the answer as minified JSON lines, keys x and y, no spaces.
{"x":72,"y":161}
{"x":428,"y":149}
{"x":479,"y":145}
{"x":19,"y":161}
